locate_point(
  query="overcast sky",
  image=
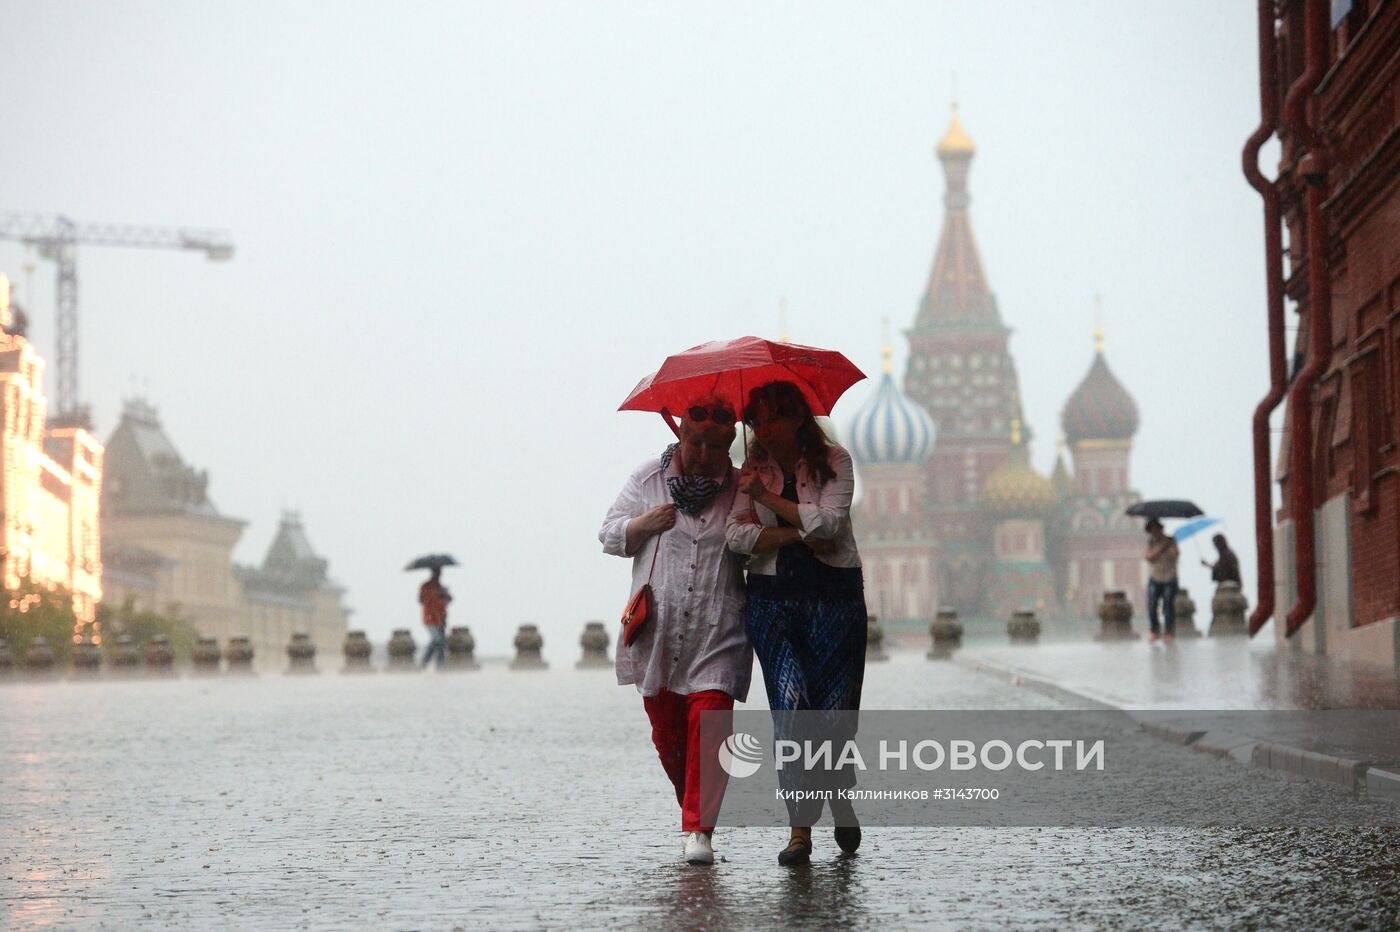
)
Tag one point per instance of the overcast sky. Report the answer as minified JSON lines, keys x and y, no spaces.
{"x":464,"y":231}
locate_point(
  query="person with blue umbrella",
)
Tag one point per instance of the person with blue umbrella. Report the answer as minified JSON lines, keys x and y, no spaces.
{"x":1227,"y":567}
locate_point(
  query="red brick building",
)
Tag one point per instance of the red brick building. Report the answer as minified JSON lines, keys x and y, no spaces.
{"x":1329,"y":558}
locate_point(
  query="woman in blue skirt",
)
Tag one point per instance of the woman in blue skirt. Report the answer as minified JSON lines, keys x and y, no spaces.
{"x":806,"y":596}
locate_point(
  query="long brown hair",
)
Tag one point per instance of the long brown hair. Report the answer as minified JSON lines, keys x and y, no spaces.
{"x":786,"y":399}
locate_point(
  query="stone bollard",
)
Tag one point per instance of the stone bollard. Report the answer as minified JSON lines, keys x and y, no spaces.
{"x":1023,"y":627}
{"x":461,"y":649}
{"x":301,"y":654}
{"x":205,"y":657}
{"x":38,"y":660}
{"x":124,"y":657}
{"x":1184,"y":612}
{"x":594,"y":642}
{"x":357,"y":650}
{"x":86,"y":658}
{"x":7,"y":659}
{"x":1116,"y":617}
{"x":159,"y":656}
{"x":946,"y":632}
{"x":528,"y":646}
{"x":874,"y":639}
{"x":1227,"y":609}
{"x":238,"y":654}
{"x":401,"y":650}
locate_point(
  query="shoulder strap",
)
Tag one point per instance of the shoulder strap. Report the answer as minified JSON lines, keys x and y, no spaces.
{"x":656,"y":552}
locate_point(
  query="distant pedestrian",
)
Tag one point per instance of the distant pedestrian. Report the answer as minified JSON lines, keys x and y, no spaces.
{"x":1161,"y":556}
{"x":433,"y":596}
{"x":1226,"y":568}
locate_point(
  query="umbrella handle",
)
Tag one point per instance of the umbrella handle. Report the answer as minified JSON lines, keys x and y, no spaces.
{"x":666,"y":416}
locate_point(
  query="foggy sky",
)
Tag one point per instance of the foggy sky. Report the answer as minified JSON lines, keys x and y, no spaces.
{"x":464,"y":231}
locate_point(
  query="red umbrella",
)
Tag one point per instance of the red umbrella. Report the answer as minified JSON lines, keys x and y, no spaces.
{"x":729,"y":369}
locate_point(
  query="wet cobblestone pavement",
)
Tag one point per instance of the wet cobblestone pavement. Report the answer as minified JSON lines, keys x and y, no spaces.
{"x":525,"y":800}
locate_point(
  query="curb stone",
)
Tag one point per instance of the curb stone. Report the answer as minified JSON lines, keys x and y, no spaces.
{"x":1035,"y":684}
{"x":1355,"y":775}
{"x":1384,"y":784}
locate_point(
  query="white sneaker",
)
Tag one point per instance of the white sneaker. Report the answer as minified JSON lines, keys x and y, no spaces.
{"x":698,"y":849}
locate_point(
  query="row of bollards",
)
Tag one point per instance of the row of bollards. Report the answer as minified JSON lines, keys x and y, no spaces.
{"x":157,"y":657}
{"x":1227,"y":611}
{"x":1115,"y":615}
{"x":946,"y":633}
{"x":124,"y":655}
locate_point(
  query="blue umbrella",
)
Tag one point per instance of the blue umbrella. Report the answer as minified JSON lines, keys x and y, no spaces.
{"x":1193,"y":527}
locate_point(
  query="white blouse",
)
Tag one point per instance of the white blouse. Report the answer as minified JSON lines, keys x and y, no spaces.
{"x":825,"y":511}
{"x":696,"y":641}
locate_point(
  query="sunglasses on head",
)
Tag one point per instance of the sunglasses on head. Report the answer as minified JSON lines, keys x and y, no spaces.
{"x":719,"y":414}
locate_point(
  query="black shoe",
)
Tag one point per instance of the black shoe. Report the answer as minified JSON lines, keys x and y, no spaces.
{"x":798,"y":851}
{"x":848,"y":838}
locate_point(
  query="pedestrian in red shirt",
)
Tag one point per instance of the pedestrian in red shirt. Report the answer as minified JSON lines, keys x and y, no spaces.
{"x":433,"y":596}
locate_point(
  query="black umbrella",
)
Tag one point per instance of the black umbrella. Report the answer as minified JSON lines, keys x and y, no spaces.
{"x":432,"y":561}
{"x":1165,"y":508}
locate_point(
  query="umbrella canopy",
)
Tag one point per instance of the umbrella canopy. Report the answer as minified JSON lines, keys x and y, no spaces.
{"x":1165,"y":508}
{"x":729,"y":369}
{"x":1193,"y":527}
{"x":432,"y":561}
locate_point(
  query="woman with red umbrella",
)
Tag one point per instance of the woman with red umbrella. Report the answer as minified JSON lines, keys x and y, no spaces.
{"x":691,"y":655}
{"x":806,"y":595}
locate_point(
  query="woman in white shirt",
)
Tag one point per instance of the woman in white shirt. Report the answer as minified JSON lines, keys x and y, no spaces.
{"x":693,"y":655}
{"x":806,"y":595}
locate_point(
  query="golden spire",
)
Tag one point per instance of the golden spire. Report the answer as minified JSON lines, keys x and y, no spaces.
{"x":956,"y":141}
{"x":1016,"y":432}
{"x":1098,"y":322}
{"x":886,"y":351}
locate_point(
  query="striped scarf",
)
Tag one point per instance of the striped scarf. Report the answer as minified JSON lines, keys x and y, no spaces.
{"x":692,"y":494}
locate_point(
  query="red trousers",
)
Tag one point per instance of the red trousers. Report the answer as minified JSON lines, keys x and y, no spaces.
{"x":675,"y":730}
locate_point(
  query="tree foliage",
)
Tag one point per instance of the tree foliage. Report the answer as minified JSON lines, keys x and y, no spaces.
{"x":144,"y":624}
{"x":32,"y":610}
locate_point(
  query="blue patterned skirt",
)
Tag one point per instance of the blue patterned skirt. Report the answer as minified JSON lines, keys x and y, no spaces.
{"x":812,"y":650}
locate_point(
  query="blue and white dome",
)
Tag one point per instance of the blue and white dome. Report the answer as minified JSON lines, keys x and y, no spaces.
{"x":890,"y":429}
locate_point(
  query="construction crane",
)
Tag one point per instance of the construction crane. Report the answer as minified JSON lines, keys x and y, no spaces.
{"x":57,"y":238}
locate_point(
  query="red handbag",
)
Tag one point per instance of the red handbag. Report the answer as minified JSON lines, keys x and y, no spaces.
{"x":641,"y":606}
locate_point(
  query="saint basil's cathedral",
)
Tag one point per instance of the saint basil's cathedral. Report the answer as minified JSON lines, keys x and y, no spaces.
{"x":952,"y":514}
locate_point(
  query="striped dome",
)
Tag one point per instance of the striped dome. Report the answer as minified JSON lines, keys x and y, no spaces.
{"x":1100,"y":408}
{"x":889,"y":428}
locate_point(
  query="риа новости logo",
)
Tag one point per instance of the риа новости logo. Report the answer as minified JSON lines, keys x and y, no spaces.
{"x":740,"y":755}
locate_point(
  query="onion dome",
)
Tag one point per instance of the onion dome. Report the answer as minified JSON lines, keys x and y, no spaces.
{"x":955,"y":141}
{"x":1100,"y":408}
{"x":1015,"y":489}
{"x":890,"y":428}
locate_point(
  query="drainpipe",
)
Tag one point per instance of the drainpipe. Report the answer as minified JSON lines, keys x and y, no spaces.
{"x":1273,"y":280}
{"x":1313,"y":168}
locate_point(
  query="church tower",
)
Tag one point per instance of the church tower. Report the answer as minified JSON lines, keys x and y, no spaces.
{"x":1102,"y":546}
{"x":961,"y":372}
{"x":1020,"y":499}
